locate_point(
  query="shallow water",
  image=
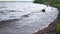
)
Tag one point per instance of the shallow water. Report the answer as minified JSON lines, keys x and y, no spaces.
{"x":25,"y":17}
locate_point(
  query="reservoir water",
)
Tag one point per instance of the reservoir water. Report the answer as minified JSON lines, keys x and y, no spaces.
{"x":25,"y":17}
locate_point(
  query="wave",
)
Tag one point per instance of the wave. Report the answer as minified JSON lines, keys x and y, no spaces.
{"x":26,"y":18}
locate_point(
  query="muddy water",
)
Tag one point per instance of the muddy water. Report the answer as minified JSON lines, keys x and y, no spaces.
{"x":25,"y":17}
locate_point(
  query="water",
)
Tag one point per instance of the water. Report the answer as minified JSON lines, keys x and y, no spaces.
{"x":25,"y":17}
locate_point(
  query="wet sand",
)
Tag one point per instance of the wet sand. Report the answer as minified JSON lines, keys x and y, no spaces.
{"x":51,"y":29}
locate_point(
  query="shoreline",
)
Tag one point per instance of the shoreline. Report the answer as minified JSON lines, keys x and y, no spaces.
{"x":51,"y":29}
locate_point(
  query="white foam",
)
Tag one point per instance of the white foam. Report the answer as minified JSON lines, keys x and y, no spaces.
{"x":37,"y":19}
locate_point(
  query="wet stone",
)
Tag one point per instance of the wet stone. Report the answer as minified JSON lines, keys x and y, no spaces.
{"x":43,"y":10}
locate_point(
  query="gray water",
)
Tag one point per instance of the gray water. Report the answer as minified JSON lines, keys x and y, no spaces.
{"x":25,"y":17}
